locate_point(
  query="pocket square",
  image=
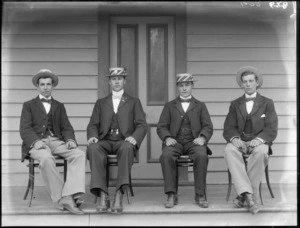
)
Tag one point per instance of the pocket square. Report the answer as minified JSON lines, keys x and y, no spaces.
{"x":263,"y":115}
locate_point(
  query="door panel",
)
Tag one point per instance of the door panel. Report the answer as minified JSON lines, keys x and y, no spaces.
{"x":145,"y":47}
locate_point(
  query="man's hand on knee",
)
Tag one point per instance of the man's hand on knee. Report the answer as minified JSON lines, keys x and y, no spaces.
{"x":92,"y":140}
{"x":39,"y":145}
{"x":255,"y":142}
{"x":237,"y":142}
{"x":71,"y":144}
{"x":199,"y":141}
{"x":131,"y":140}
{"x":170,"y":141}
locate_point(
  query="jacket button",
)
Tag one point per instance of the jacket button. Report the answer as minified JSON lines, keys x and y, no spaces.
{"x":42,"y":133}
{"x":43,"y":125}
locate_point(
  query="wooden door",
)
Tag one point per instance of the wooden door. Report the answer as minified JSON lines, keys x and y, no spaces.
{"x":145,"y":47}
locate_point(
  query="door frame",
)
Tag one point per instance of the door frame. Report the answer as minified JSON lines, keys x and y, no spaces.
{"x":177,"y":10}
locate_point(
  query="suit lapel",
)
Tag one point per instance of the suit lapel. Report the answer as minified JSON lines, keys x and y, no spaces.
{"x":54,"y":105}
{"x":242,"y":107}
{"x":257,"y":103}
{"x":109,"y":101}
{"x":38,"y":103}
{"x":123,"y":101}
{"x":178,"y":106}
{"x":192,"y":105}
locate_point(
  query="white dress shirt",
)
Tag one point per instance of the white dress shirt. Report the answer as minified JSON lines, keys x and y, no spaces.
{"x":116,"y":101}
{"x":249,"y":104}
{"x":46,"y":105}
{"x":185,"y":105}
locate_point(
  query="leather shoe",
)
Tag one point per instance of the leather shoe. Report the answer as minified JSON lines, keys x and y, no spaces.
{"x":68,"y":203}
{"x":117,"y":206}
{"x":239,"y":201}
{"x":251,"y":203}
{"x":104,"y":203}
{"x":201,"y":201}
{"x":172,"y":200}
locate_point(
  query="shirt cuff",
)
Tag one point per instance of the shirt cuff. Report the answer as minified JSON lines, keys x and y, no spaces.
{"x":32,"y":145}
{"x":72,"y":140}
{"x":234,"y":138}
{"x":263,"y":141}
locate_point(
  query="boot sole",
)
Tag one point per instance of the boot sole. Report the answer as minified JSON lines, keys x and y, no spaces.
{"x":170,"y":206}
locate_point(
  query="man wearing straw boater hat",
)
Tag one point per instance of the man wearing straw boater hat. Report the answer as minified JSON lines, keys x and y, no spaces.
{"x":185,"y":128}
{"x":46,"y":131}
{"x":117,"y":126}
{"x":250,"y":127}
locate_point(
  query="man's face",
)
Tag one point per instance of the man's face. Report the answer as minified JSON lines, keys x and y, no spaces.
{"x":185,"y":88}
{"x":45,"y":86}
{"x":249,"y":84}
{"x":117,"y":83}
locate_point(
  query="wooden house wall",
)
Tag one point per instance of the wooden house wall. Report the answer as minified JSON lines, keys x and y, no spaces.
{"x":219,"y":42}
{"x":63,"y":39}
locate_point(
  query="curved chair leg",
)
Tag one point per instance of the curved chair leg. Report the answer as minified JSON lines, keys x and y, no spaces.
{"x":31,"y":180}
{"x":229,"y":185}
{"x":127,"y":194}
{"x":261,"y":200}
{"x":65,"y":169}
{"x":268,"y":181}
{"x":130,"y":185}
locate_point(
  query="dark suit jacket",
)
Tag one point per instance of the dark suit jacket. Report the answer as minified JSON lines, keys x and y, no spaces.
{"x":171,"y":117}
{"x":263,"y":116}
{"x":34,"y":121}
{"x":131,"y":118}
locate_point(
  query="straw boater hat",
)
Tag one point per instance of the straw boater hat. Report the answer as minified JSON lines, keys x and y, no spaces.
{"x":252,"y":69}
{"x":185,"y":77}
{"x":117,"y":71}
{"x":44,"y":73}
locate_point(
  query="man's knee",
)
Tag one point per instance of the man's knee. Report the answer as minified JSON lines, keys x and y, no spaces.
{"x":127,"y":146}
{"x":229,"y":150}
{"x":46,"y":161}
{"x":167,"y":153}
{"x":79,"y":153}
{"x":94,"y":151}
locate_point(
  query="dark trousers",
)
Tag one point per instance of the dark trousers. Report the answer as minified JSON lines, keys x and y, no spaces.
{"x":97,"y":154}
{"x":168,"y":164}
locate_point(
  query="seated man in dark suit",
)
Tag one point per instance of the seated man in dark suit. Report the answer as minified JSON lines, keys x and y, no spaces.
{"x":46,"y":131}
{"x":117,"y":126}
{"x":185,"y":128}
{"x":250,"y":127}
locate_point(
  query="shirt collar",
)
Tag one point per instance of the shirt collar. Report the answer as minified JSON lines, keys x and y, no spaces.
{"x":41,"y":96}
{"x":184,"y":98}
{"x":252,"y":95}
{"x":119,"y":93}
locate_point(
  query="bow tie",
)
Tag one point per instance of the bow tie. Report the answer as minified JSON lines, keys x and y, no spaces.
{"x":46,"y":100}
{"x":249,"y":99}
{"x":117,"y":97}
{"x":185,"y":100}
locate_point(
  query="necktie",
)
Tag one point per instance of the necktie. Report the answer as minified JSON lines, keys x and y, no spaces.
{"x":117,"y":97}
{"x":249,"y":99}
{"x":46,"y":100}
{"x":185,"y":100}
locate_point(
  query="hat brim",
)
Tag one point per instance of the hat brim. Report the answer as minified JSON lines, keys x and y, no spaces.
{"x":194,"y":80}
{"x":36,"y":78}
{"x":249,"y":68}
{"x":121,"y":75}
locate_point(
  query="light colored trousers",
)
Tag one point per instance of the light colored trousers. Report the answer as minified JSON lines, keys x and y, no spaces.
{"x":247,"y":181}
{"x":75,"y":182}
